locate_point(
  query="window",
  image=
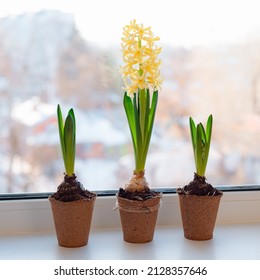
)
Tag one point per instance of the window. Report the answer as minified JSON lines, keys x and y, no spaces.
{"x":64,"y":52}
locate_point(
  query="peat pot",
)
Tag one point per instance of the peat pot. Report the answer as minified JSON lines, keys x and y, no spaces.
{"x":72,"y":221}
{"x":199,"y":215}
{"x":138,"y":218}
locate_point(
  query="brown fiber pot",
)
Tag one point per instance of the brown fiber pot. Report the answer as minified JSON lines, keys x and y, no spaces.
{"x":72,"y":221}
{"x":199,"y":215}
{"x":138,"y":218}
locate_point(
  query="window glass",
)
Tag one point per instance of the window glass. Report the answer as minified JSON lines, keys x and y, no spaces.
{"x":68,"y":52}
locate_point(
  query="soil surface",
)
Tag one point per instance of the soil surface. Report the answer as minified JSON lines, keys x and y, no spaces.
{"x":140,"y":196}
{"x":71,"y":190}
{"x":200,"y":187}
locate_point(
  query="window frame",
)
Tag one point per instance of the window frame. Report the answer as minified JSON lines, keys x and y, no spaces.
{"x":107,"y":193}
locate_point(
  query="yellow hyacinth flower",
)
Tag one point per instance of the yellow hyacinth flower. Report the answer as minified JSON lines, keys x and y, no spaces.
{"x":140,"y":55}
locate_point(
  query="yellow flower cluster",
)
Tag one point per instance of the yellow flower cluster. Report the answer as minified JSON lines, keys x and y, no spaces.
{"x":140,"y":55}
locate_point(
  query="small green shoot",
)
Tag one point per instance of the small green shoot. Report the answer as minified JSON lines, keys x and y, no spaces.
{"x":67,"y":134}
{"x":201,"y":139}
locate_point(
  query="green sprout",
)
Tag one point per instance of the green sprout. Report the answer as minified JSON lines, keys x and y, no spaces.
{"x":67,"y":134}
{"x":140,"y":115}
{"x":201,"y":139}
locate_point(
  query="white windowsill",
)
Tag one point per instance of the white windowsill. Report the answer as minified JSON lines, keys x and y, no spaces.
{"x":234,"y":242}
{"x":27,"y":232}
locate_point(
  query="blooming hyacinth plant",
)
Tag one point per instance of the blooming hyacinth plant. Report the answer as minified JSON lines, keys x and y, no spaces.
{"x":142,"y":80}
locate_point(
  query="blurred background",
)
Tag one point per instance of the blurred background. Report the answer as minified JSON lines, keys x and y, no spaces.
{"x":68,"y":52}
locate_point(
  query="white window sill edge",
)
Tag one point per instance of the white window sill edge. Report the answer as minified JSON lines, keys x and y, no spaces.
{"x":27,"y":232}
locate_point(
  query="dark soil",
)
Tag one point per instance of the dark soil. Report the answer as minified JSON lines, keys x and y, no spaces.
{"x":71,"y":190}
{"x":140,"y":196}
{"x":200,"y":187}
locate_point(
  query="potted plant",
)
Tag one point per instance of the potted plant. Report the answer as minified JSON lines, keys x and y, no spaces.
{"x":138,"y":204}
{"x":72,"y":205}
{"x":199,"y":200}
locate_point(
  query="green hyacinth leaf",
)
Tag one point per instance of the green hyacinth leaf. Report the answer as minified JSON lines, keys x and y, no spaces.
{"x":209,"y":128}
{"x":193,"y":132}
{"x":130,"y":114}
